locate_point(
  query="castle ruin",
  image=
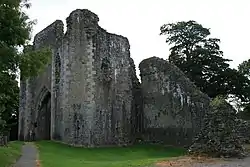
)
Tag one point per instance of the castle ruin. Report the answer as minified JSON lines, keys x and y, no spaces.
{"x":89,"y":95}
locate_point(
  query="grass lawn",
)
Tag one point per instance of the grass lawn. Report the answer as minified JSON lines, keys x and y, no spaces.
{"x":59,"y":155}
{"x":9,"y":154}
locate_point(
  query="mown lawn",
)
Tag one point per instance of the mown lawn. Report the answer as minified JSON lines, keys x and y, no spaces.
{"x":59,"y":155}
{"x":9,"y":154}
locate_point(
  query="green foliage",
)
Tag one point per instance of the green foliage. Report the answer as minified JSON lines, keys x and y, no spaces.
{"x":201,"y":59}
{"x":15,"y":29}
{"x":15,"y":25}
{"x":33,"y":62}
{"x":244,"y":68}
{"x":9,"y":99}
{"x":133,"y":156}
{"x":9,"y":154}
{"x":218,"y":101}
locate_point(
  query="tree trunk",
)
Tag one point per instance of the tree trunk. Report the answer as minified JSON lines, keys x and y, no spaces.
{"x":3,"y":140}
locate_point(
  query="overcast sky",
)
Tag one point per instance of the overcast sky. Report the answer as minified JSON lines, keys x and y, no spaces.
{"x":140,"y":21}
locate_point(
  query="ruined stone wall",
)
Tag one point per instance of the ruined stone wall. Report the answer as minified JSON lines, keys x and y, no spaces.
{"x":173,"y":106}
{"x":32,"y":90}
{"x":96,"y":98}
{"x":113,"y":94}
{"x":22,"y":108}
{"x":92,"y":82}
{"x":50,"y":37}
{"x":97,"y":83}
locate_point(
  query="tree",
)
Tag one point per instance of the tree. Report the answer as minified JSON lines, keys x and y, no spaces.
{"x":10,"y":99}
{"x":244,"y":68}
{"x":15,"y":29}
{"x":201,"y":59}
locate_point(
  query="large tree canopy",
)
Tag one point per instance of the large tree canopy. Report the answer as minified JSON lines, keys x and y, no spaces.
{"x":201,"y":59}
{"x":15,"y":29}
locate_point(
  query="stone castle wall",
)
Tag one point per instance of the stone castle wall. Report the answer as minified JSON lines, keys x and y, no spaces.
{"x":32,"y":90}
{"x":173,"y":107}
{"x":91,"y":81}
{"x":96,"y":97}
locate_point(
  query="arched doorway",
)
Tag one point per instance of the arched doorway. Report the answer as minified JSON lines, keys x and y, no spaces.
{"x":43,"y":118}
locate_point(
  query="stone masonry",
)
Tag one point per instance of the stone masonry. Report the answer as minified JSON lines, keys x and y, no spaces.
{"x":89,"y":94}
{"x":220,"y":136}
{"x":90,"y":82}
{"x":173,"y":107}
{"x":34,"y":90}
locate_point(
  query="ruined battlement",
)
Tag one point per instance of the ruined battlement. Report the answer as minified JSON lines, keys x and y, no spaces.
{"x":89,"y":95}
{"x":90,"y":99}
{"x":85,"y":16}
{"x":50,"y":36}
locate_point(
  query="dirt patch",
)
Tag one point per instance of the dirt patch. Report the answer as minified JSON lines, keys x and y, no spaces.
{"x":195,"y":161}
{"x":187,"y":161}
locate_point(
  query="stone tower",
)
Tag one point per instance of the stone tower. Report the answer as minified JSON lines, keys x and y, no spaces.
{"x":86,"y":96}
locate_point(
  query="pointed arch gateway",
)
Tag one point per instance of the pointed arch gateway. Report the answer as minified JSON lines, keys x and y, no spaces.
{"x":43,"y":115}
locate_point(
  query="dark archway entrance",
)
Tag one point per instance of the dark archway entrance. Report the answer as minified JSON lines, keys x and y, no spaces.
{"x":44,"y":118}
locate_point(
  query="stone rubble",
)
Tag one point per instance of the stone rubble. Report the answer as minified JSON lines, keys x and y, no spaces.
{"x":243,"y":127}
{"x":219,"y":136}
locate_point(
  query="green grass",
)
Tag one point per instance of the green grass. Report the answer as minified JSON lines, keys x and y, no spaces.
{"x":59,"y":155}
{"x":9,"y":154}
